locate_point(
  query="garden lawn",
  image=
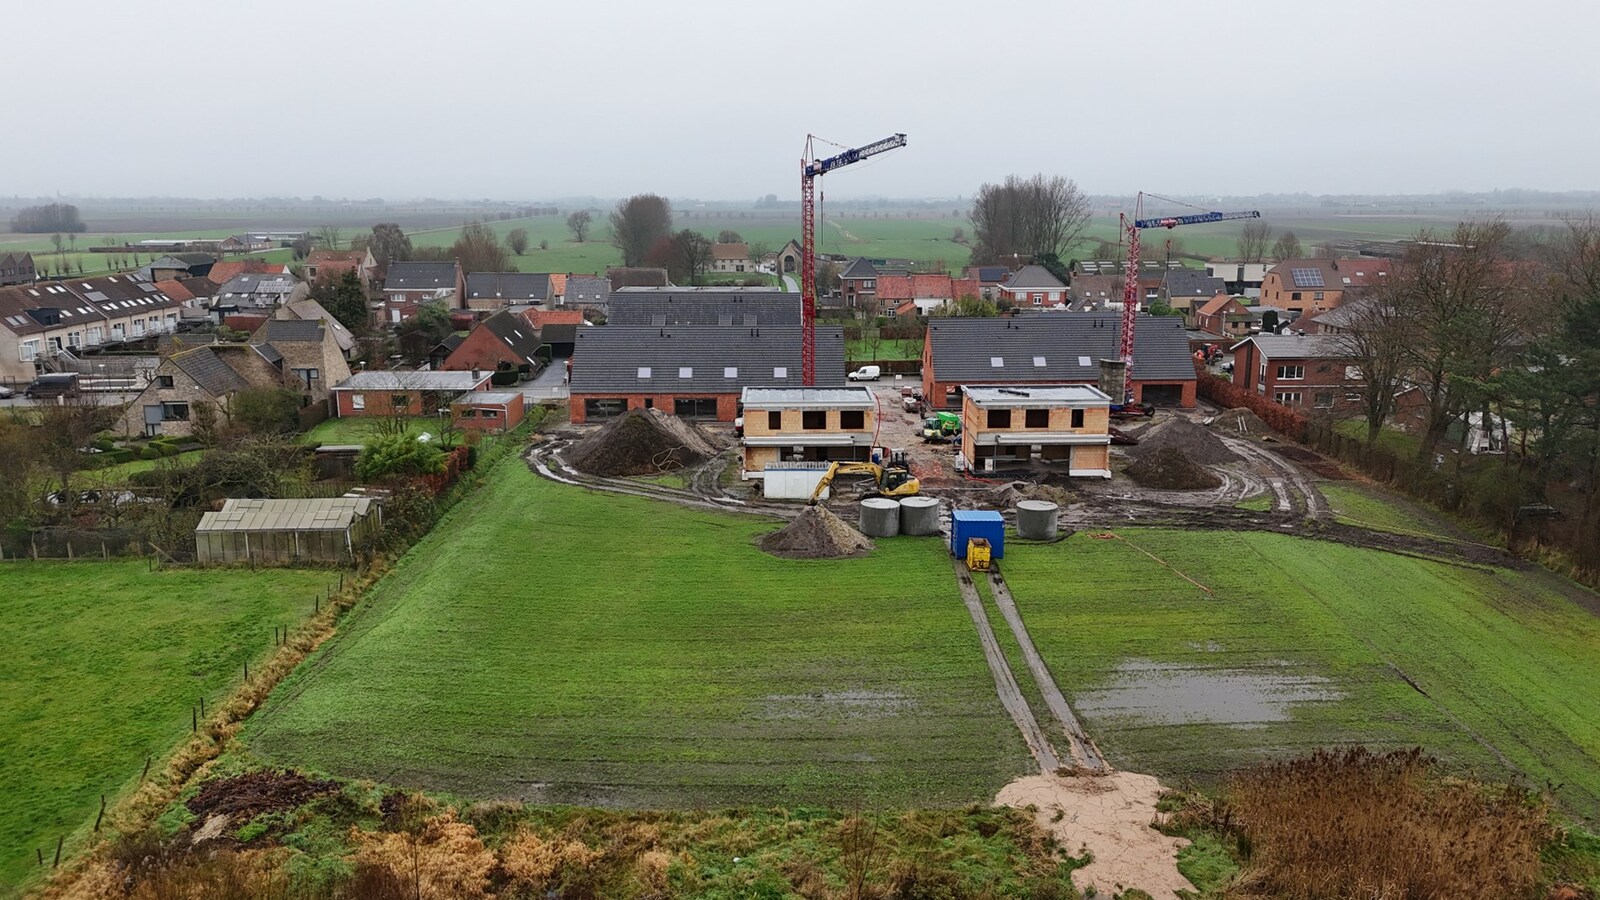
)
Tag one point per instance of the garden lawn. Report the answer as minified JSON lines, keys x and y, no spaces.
{"x":1359,"y":505}
{"x":359,"y":430}
{"x":1501,"y":659}
{"x":557,"y":645}
{"x":100,"y":663}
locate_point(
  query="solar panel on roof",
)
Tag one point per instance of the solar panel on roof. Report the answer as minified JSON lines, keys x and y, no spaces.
{"x":1307,"y":277}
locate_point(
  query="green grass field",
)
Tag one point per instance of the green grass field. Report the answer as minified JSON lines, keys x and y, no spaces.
{"x":1507,"y":659}
{"x":358,"y":430}
{"x":100,"y":664}
{"x":556,"y":645}
{"x":1370,"y":507}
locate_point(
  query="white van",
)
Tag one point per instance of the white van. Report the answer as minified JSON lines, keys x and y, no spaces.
{"x":865,"y":373}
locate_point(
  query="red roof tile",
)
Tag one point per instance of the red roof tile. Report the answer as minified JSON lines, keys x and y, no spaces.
{"x":539,"y":318}
{"x":175,"y":290}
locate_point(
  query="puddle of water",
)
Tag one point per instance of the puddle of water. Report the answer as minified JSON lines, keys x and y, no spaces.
{"x":835,"y":704}
{"x":1174,"y":694}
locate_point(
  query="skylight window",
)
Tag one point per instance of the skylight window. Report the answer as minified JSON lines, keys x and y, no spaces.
{"x":686,"y":371}
{"x":780,"y":371}
{"x":730,"y":371}
{"x":1038,"y":362}
{"x":1085,"y":361}
{"x":997,"y":362}
{"x":644,"y":371}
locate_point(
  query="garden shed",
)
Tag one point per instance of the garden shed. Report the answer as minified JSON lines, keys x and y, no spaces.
{"x":325,"y":529}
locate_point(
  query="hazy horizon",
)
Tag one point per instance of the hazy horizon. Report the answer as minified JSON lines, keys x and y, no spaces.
{"x":702,"y":100}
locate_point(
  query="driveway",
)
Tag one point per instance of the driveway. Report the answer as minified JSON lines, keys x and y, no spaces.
{"x":551,"y":384}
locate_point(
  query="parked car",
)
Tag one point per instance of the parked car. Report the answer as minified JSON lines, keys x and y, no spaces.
{"x":866,"y":373}
{"x":51,"y":386}
{"x":6,"y":393}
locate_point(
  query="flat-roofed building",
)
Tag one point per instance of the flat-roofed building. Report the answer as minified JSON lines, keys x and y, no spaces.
{"x":806,"y":425}
{"x":1032,"y":426}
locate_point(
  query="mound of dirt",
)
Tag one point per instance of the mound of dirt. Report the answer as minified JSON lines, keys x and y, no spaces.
{"x":1006,"y":495}
{"x":246,"y":796}
{"x":642,"y":442}
{"x":1195,"y":442}
{"x":1242,"y":422}
{"x":816,"y":534}
{"x":1170,"y":470}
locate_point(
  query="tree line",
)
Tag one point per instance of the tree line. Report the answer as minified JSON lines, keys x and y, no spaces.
{"x":51,"y":218}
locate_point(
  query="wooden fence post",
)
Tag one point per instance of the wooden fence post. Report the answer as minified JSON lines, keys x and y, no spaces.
{"x":146,"y":773}
{"x":102,"y":814}
{"x":59,"y":841}
{"x":69,"y":551}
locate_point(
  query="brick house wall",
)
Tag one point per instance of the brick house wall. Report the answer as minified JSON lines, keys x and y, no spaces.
{"x":185,"y":390}
{"x":791,"y":426}
{"x":481,"y":349}
{"x":1324,"y":386}
{"x":369,"y":402}
{"x":501,"y":420}
{"x":727,"y":404}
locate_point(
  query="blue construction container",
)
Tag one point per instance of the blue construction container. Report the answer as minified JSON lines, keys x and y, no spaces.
{"x":966,"y":524}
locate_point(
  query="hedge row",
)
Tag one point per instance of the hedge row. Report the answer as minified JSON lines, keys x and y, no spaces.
{"x":1230,"y":396}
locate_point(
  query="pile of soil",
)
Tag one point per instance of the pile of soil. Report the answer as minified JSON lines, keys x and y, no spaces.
{"x":643,"y":442}
{"x":1242,"y":422}
{"x":1195,"y":442}
{"x":816,"y":534}
{"x":249,"y":795}
{"x":1170,"y":470}
{"x":1006,"y":495}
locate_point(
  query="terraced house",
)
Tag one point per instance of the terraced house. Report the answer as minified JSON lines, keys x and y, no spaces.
{"x":47,"y":319}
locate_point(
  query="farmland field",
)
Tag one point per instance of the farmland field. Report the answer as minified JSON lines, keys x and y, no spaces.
{"x":1303,"y":645}
{"x":561,"y":646}
{"x":99,"y":666}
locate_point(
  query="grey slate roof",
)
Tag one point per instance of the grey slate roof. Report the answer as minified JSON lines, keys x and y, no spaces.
{"x":1193,"y":283}
{"x":513,"y":287}
{"x":558,"y":334}
{"x":1299,"y":346}
{"x":992,"y":274}
{"x":313,"y":311}
{"x":209,"y":371}
{"x":411,"y":381}
{"x":710,"y":308}
{"x":611,"y":360}
{"x":515,"y":332}
{"x":269,"y":353}
{"x":1070,"y":346}
{"x":291,"y":330}
{"x":587,"y":289}
{"x":859,"y":268}
{"x":420,"y":276}
{"x":1033,"y":278}
{"x":636,"y":276}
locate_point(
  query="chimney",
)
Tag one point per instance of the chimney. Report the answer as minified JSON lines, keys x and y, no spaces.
{"x":1113,"y":377}
{"x":476,"y":375}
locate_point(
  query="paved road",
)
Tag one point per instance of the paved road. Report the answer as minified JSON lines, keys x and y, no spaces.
{"x":791,"y":284}
{"x":550,"y":384}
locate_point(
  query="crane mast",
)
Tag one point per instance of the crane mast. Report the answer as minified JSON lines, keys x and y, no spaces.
{"x":1131,"y":226}
{"x":810,"y":169}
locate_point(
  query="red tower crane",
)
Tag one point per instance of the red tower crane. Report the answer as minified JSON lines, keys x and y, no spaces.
{"x":810,"y":169}
{"x":1130,"y":276}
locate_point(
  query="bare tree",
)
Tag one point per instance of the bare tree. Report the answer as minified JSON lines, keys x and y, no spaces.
{"x":389,"y":244}
{"x":1253,"y":239}
{"x":729,"y":236}
{"x":1286,"y":247}
{"x":1374,"y":340}
{"x":478,"y":249}
{"x":517,"y":240}
{"x":638,"y":223}
{"x":1026,"y":218}
{"x":330,"y":237}
{"x":691,"y":255}
{"x":578,"y":224}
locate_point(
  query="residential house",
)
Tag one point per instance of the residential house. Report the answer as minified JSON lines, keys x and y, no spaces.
{"x":924,"y":293}
{"x":1239,"y":278}
{"x":408,"y":285}
{"x":557,"y":329}
{"x":587,"y":292}
{"x":731,"y":258}
{"x":1034,"y":426}
{"x":403,"y":393}
{"x":334,"y":263}
{"x":497,"y":290}
{"x":503,"y":338}
{"x":491,"y":412}
{"x":1033,"y":287}
{"x":989,"y":279}
{"x":177,"y":265}
{"x":63,"y":318}
{"x":226,"y":270}
{"x":1182,"y":289}
{"x":260,"y":294}
{"x":16,"y":268}
{"x":801,"y":424}
{"x":1224,"y":315}
{"x":312,"y":311}
{"x":1312,"y":373}
{"x":1054,"y":350}
{"x":442,"y":350}
{"x":858,"y":285}
{"x":636,"y":276}
{"x":697,"y":371}
{"x":726,"y":308}
{"x":1091,"y":293}
{"x":558,"y":287}
{"x":308,"y":354}
{"x":1339,"y":320}
{"x":210,"y":374}
{"x":1309,"y":286}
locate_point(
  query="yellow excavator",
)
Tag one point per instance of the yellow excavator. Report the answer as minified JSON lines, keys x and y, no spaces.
{"x":893,"y":480}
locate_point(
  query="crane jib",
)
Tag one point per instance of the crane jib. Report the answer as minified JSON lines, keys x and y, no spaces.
{"x":1196,"y":219}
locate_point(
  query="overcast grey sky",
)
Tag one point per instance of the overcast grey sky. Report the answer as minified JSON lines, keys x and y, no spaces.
{"x":532,"y":98}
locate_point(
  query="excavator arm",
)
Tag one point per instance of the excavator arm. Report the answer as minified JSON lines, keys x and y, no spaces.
{"x":893,"y":482}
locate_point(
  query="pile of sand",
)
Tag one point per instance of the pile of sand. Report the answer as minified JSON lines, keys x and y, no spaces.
{"x":815,"y":534}
{"x":1169,"y":469}
{"x":1195,"y":442}
{"x":1242,"y":422}
{"x":1006,"y":495}
{"x":642,"y":442}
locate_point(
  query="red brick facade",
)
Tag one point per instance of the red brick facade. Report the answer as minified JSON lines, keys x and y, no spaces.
{"x":491,"y":418}
{"x":370,"y":402}
{"x":1308,"y":385}
{"x":727,"y":404}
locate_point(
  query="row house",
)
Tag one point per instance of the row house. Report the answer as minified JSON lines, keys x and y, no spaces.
{"x":46,"y":318}
{"x":16,"y":269}
{"x":801,"y":424}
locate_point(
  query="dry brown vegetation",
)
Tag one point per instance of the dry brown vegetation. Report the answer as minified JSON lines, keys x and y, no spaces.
{"x":1356,"y":824}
